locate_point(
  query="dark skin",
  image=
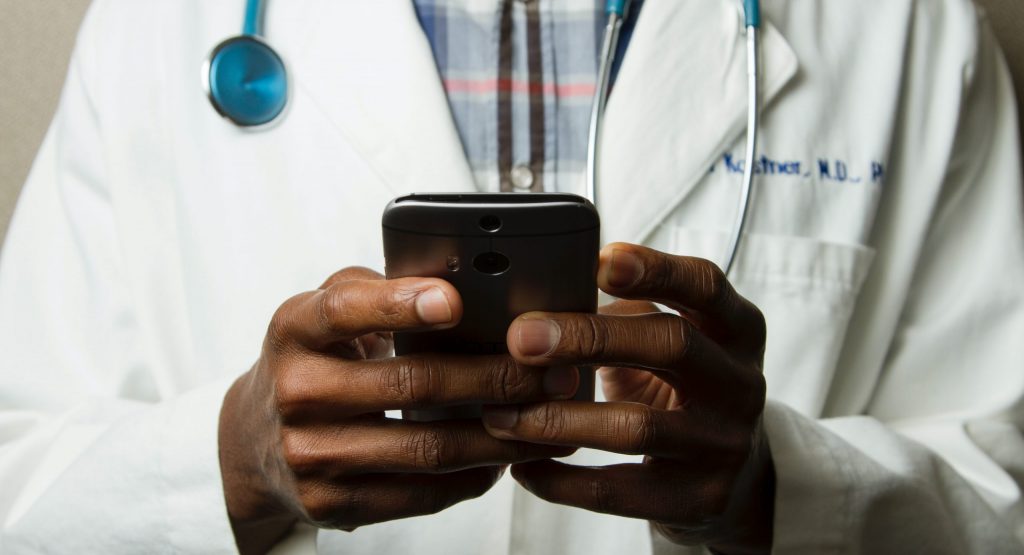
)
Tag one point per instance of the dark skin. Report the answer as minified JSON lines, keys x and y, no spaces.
{"x":303,"y":435}
{"x":685,"y":390}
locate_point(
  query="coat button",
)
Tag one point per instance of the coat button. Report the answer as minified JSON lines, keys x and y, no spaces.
{"x":522,"y":177}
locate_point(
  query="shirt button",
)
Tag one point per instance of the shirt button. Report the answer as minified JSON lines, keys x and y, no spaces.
{"x":522,"y":177}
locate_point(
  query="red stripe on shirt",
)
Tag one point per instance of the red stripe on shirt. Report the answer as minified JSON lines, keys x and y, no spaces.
{"x":518,"y":87}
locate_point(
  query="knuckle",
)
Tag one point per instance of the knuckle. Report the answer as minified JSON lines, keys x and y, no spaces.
{"x":758,"y":328}
{"x":587,"y":338}
{"x":601,"y":493}
{"x":435,"y":500}
{"x":758,"y":395}
{"x":598,"y":336}
{"x":712,"y":283}
{"x":514,"y":383}
{"x":430,"y":450}
{"x":395,"y":378}
{"x":351,"y":273}
{"x":483,"y":480}
{"x":338,"y":277}
{"x":505,"y":385}
{"x":716,"y":494}
{"x":278,"y":336}
{"x":352,"y":507}
{"x":550,"y":421}
{"x":659,"y":273}
{"x":637,"y":427}
{"x":331,"y":307}
{"x":317,"y":509}
{"x":415,"y":380}
{"x":292,"y":396}
{"x":389,"y":305}
{"x":279,"y":331}
{"x":750,"y":402}
{"x":680,"y":340}
{"x":424,"y":383}
{"x":668,"y":272}
{"x":737,"y":450}
{"x":298,"y":454}
{"x":328,"y":507}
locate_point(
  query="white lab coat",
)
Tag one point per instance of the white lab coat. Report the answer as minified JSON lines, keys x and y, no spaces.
{"x":153,"y":242}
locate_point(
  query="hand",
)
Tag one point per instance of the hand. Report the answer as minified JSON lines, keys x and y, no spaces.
{"x":686,"y":390}
{"x":303,"y":435}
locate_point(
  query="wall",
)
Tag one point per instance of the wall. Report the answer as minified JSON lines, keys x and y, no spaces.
{"x":36,"y":37}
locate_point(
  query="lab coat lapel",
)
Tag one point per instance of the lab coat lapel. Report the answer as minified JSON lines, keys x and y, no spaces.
{"x":680,"y":100}
{"x":368,"y":67}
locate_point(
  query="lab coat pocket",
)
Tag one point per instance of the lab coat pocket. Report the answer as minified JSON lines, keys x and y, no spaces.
{"x":807,"y":289}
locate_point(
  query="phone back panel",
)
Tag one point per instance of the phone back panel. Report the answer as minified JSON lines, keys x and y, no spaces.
{"x":506,"y":255}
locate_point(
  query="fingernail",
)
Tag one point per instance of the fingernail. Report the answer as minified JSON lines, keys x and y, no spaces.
{"x":624,"y":269}
{"x":501,"y":418}
{"x":538,"y":337}
{"x":432,"y":307}
{"x":561,"y":381}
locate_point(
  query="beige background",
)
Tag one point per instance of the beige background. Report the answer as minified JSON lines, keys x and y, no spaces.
{"x":36,"y":37}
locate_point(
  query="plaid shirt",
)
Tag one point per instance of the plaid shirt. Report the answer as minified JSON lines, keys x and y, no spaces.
{"x":520,"y":76}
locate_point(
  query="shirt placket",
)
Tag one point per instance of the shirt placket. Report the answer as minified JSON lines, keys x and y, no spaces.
{"x":519,"y":171}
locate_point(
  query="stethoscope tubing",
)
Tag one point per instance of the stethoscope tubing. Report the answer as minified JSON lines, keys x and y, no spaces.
{"x":753,"y":127}
{"x":253,"y":25}
{"x":600,"y":102}
{"x":752,"y":22}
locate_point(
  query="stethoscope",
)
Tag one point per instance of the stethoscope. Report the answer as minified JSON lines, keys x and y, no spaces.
{"x":244,"y":77}
{"x":247,"y":83}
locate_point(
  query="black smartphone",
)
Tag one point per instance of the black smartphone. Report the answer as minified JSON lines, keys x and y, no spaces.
{"x":506,"y":254}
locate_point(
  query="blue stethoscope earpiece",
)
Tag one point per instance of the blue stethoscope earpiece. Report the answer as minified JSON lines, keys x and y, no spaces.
{"x":245,"y":78}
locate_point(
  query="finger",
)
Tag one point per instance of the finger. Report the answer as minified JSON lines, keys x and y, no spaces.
{"x":621,"y":375}
{"x":395,"y":446}
{"x":658,"y":493}
{"x":352,"y":273}
{"x":329,"y":388}
{"x":692,"y":285}
{"x":629,"y":308}
{"x":665,"y":343}
{"x":372,"y":499}
{"x":349,"y":309}
{"x":627,"y":428}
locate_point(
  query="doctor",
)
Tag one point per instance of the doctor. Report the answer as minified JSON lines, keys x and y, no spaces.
{"x":876,"y":303}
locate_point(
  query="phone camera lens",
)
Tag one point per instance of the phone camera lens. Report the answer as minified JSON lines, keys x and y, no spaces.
{"x":490,"y":223}
{"x":491,"y":263}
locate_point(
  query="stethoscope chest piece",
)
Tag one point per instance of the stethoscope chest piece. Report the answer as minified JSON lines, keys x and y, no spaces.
{"x":246,"y":81}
